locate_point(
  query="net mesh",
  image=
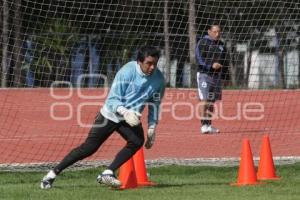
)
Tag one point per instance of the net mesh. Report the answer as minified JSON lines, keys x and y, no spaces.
{"x":58,"y":58}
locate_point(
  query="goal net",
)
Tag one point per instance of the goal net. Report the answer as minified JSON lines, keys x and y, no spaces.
{"x":59,"y":58}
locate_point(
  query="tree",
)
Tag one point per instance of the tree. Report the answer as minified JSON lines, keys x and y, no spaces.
{"x":52,"y":50}
{"x":192,"y":42}
{"x":5,"y":43}
{"x":18,"y":42}
{"x":167,"y":42}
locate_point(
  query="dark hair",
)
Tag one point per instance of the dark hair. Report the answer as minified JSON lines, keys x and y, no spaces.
{"x":214,"y":24}
{"x":145,"y":51}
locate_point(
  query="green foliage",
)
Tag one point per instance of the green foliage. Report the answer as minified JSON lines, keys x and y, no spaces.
{"x":51,"y":50}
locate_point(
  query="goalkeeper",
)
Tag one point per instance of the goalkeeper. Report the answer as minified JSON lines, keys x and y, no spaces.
{"x":137,"y":83}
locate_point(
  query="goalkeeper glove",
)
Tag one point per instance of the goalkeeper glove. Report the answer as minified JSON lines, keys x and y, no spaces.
{"x":131,"y":117}
{"x":150,"y":138}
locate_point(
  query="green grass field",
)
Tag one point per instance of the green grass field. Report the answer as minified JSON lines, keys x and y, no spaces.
{"x":173,"y":182}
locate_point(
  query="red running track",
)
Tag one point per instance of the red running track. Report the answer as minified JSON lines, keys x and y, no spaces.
{"x":42,"y":125}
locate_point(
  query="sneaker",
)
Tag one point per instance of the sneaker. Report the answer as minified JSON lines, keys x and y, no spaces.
{"x":208,"y":129}
{"x":212,"y":129}
{"x":108,"y":178}
{"x":204,"y":129}
{"x":47,"y":181}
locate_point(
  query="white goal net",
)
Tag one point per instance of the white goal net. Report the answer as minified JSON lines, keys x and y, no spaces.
{"x":51,"y":48}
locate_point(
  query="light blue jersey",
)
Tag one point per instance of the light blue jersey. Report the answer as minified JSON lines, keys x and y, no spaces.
{"x":133,"y":89}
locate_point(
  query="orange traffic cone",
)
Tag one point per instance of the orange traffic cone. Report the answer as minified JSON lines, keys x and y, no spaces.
{"x":266,"y":169}
{"x":247,"y":174}
{"x":127,"y":175}
{"x":140,"y":169}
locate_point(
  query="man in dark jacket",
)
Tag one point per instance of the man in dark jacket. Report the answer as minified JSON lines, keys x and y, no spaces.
{"x":211,"y":59}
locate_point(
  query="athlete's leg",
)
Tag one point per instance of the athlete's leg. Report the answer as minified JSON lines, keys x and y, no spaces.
{"x":101,"y":130}
{"x":204,"y":82}
{"x":135,"y":140}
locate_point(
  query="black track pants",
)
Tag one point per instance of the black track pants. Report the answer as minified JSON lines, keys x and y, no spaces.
{"x":98,"y":134}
